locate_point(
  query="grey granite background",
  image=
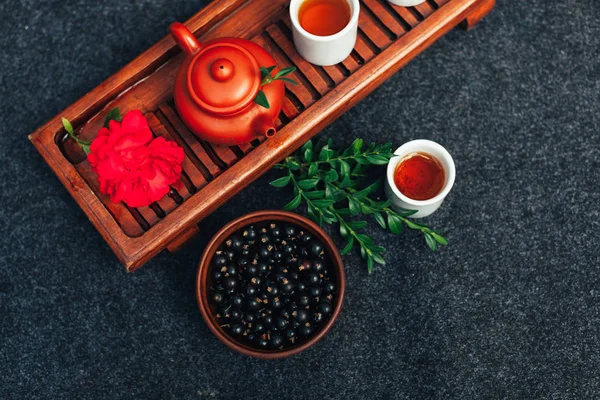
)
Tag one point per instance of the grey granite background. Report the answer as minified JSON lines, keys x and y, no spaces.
{"x":510,"y":309}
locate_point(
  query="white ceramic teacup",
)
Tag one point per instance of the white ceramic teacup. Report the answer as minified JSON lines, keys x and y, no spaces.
{"x":325,"y":50}
{"x":406,"y":3}
{"x":423,"y":207}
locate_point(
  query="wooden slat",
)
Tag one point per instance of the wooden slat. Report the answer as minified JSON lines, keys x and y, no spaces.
{"x":307,"y":69}
{"x":406,"y":15}
{"x":148,"y":214}
{"x":385,"y":17}
{"x":425,"y":9}
{"x":119,"y":211}
{"x":190,"y":139}
{"x":300,"y":91}
{"x":224,"y":153}
{"x":375,"y":35}
{"x":363,"y":49}
{"x":350,"y":64}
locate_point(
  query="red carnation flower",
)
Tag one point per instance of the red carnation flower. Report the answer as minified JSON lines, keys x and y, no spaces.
{"x":132,"y":167}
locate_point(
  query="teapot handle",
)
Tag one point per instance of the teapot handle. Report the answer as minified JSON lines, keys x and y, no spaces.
{"x":184,"y":38}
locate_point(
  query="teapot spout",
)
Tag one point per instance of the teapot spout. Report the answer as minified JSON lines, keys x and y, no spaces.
{"x":263,"y":126}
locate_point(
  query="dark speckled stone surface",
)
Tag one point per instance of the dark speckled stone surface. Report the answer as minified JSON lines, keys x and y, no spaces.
{"x":511,"y":309}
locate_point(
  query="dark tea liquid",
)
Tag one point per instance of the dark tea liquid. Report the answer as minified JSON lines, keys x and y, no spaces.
{"x":420,"y":176}
{"x":324,"y":17}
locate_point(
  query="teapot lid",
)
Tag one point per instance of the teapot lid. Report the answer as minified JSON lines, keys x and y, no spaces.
{"x":223,"y":78}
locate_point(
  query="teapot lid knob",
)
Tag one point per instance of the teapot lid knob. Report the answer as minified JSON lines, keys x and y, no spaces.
{"x":222,"y":70}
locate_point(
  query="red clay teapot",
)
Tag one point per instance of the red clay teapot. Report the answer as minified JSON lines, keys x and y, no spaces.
{"x":216,"y":88}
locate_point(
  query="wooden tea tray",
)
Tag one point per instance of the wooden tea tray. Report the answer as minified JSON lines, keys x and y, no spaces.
{"x":388,"y":38}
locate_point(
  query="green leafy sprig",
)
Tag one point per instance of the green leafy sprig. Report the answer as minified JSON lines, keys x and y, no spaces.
{"x":113,"y":114}
{"x":335,"y":188}
{"x":266,"y":78}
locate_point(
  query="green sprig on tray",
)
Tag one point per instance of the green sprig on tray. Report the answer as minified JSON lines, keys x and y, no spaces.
{"x":113,"y":114}
{"x":335,"y":187}
{"x":266,"y":78}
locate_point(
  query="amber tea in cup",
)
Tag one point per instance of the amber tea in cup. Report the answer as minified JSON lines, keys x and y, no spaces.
{"x":420,"y":176}
{"x":324,"y":17}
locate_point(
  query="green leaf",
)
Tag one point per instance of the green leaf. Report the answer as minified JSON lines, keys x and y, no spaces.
{"x":261,"y":100}
{"x":113,"y":114}
{"x":378,"y":249}
{"x":313,"y":169}
{"x":370,"y":264}
{"x":364,"y":238}
{"x":315,"y":194}
{"x":439,"y":238}
{"x":281,"y":182}
{"x":344,"y":168}
{"x":67,"y":125}
{"x":293,"y":164}
{"x":346,"y":182}
{"x":354,"y":206}
{"x":430,"y":242}
{"x":363,"y":253}
{"x":324,"y":155}
{"x":377,"y":159}
{"x":414,"y":225}
{"x":307,"y":145}
{"x":357,"y":146}
{"x":308,"y":183}
{"x":406,"y":213}
{"x":308,"y":155}
{"x":292,"y":205}
{"x":362,"y":160}
{"x":343,"y":231}
{"x":395,"y":224}
{"x":357,"y":224}
{"x":284,"y":71}
{"x":369,"y":189}
{"x":288,"y":80}
{"x":327,"y":212}
{"x":323,"y":203}
{"x":331,"y":176}
{"x":348,"y":247}
{"x":380,"y":220}
{"x":378,"y":258}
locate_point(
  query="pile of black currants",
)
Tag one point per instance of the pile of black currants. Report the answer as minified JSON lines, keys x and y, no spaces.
{"x":272,"y":285}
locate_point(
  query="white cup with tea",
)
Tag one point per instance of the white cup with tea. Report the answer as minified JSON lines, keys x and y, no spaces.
{"x":419,"y":177}
{"x":324,"y":31}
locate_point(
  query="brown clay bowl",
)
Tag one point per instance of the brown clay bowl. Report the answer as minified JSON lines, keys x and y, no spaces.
{"x":204,"y":281}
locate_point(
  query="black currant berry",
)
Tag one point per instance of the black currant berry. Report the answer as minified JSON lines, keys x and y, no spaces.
{"x":237,"y":329}
{"x":290,"y":231}
{"x":315,"y":249}
{"x":280,"y":323}
{"x":313,"y":279}
{"x":325,"y":308}
{"x":251,"y":271}
{"x":302,"y":315}
{"x":216,"y":276}
{"x":303,"y":301}
{"x":218,"y":297}
{"x":237,"y":300}
{"x":220,"y":260}
{"x":276,"y":341}
{"x":230,"y":283}
{"x":250,"y":291}
{"x":235,"y":314}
